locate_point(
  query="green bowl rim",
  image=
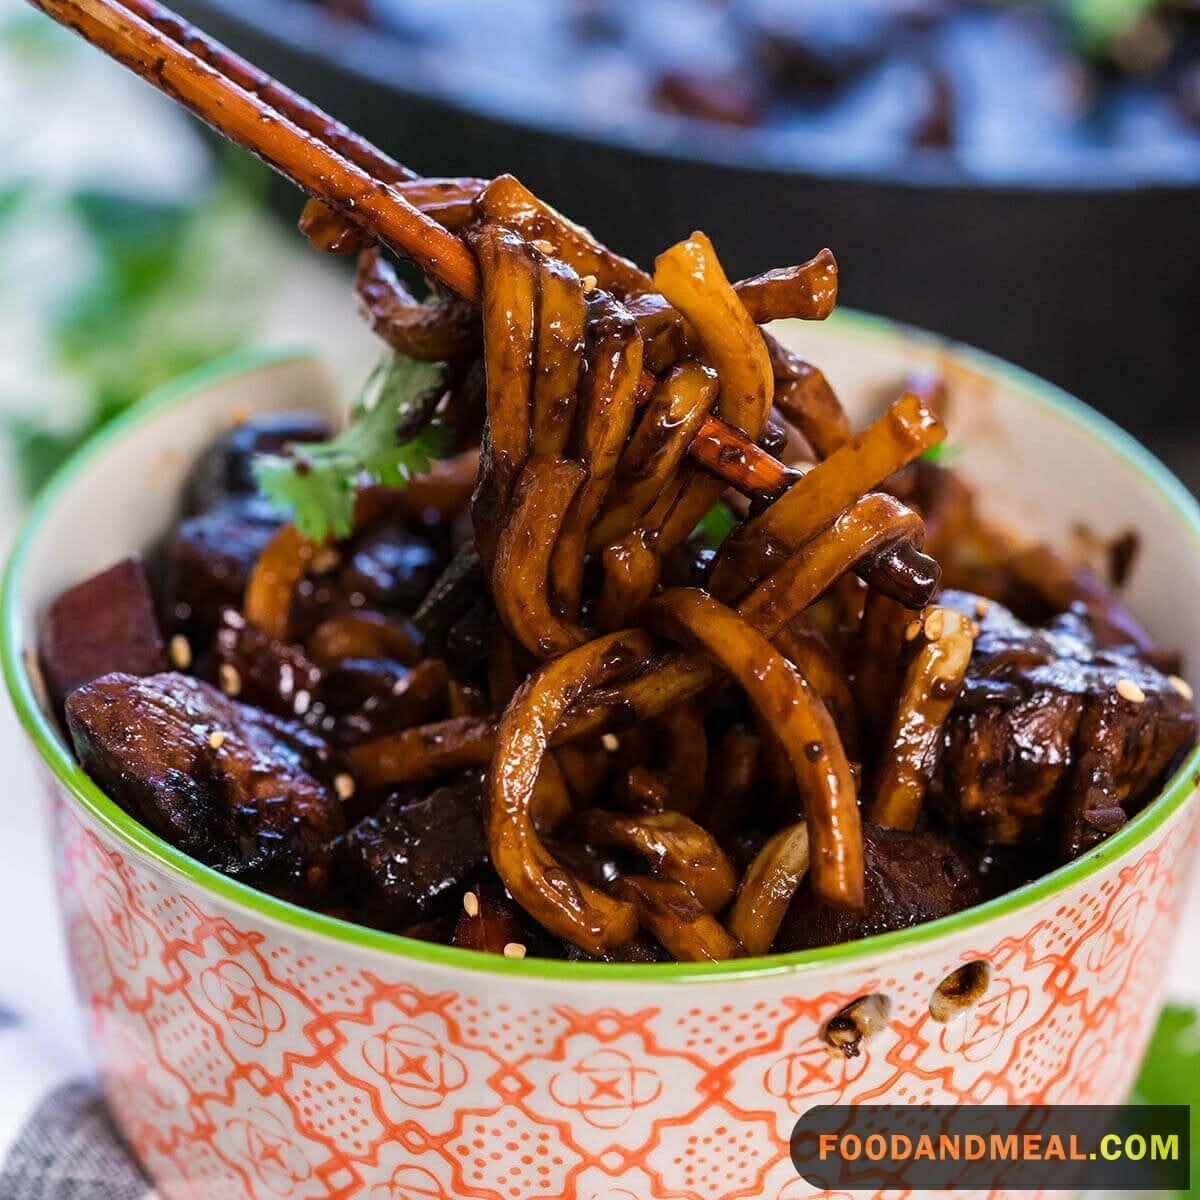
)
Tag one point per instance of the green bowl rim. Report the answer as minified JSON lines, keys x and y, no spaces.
{"x":864,"y":953}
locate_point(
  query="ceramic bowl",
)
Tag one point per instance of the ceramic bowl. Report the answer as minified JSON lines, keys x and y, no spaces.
{"x":250,"y":1049}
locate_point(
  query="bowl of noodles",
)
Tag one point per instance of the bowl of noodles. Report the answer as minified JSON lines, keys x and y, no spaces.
{"x":256,"y":1042}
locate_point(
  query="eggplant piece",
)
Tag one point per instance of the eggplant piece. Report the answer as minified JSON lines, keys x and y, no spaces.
{"x":107,"y":623}
{"x":468,"y":641}
{"x":236,"y":788}
{"x":407,"y":861}
{"x":458,"y":587}
{"x":491,"y":921}
{"x":365,"y":698}
{"x":911,"y":878}
{"x":226,"y":469}
{"x":1054,"y":734}
{"x":390,"y":568}
{"x":641,"y":949}
{"x":209,"y":559}
{"x":261,"y":670}
{"x":1006,"y":761}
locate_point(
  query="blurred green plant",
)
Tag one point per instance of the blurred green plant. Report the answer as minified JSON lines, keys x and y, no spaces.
{"x":1171,"y":1070}
{"x":31,"y":36}
{"x":1098,"y":23}
{"x":171,"y":286}
{"x":12,"y":196}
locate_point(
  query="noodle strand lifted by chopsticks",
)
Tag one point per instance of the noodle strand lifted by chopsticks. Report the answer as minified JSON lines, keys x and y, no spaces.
{"x":799,"y":719}
{"x":563,"y":903}
{"x":603,"y":420}
{"x":598,"y":381}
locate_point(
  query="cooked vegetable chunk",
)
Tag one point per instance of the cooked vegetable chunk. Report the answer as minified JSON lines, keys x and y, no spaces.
{"x":1053,"y":733}
{"x":107,"y":623}
{"x":234,"y":787}
{"x":390,"y":569}
{"x":259,"y":669}
{"x":209,"y":559}
{"x":401,"y":862}
{"x":366,"y":698}
{"x":910,"y":878}
{"x":491,"y":921}
{"x":225,"y":470}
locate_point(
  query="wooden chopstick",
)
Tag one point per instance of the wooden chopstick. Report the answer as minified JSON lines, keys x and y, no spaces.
{"x":249,"y":120}
{"x":339,"y":167}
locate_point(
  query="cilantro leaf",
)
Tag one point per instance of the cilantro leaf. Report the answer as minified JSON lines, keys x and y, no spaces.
{"x":318,"y":483}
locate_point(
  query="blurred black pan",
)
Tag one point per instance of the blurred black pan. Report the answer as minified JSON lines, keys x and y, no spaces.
{"x":1095,"y":286}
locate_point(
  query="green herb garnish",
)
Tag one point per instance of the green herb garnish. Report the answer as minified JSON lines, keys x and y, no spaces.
{"x":715,"y":526}
{"x":317,"y":484}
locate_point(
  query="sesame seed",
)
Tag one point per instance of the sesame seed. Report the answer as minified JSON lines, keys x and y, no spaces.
{"x":302,"y":703}
{"x":216,"y":739}
{"x":514,"y":950}
{"x":544,"y":246}
{"x":229,"y":679}
{"x":589,"y":283}
{"x":181,"y":652}
{"x":935,"y":624}
{"x":1181,"y":686}
{"x":911,"y":630}
{"x":344,"y":785}
{"x":471,"y":904}
{"x":1128,"y":690}
{"x":611,"y":742}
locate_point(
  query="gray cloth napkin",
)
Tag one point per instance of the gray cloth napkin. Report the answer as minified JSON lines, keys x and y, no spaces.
{"x":57,"y":1141}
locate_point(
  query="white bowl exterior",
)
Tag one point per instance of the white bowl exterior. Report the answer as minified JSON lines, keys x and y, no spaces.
{"x":244,"y":1057}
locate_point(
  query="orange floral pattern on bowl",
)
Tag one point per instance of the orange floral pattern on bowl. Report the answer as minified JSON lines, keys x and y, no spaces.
{"x":246,"y":1060}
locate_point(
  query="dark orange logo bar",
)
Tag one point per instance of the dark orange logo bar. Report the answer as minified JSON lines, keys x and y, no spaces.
{"x":925,"y":1148}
